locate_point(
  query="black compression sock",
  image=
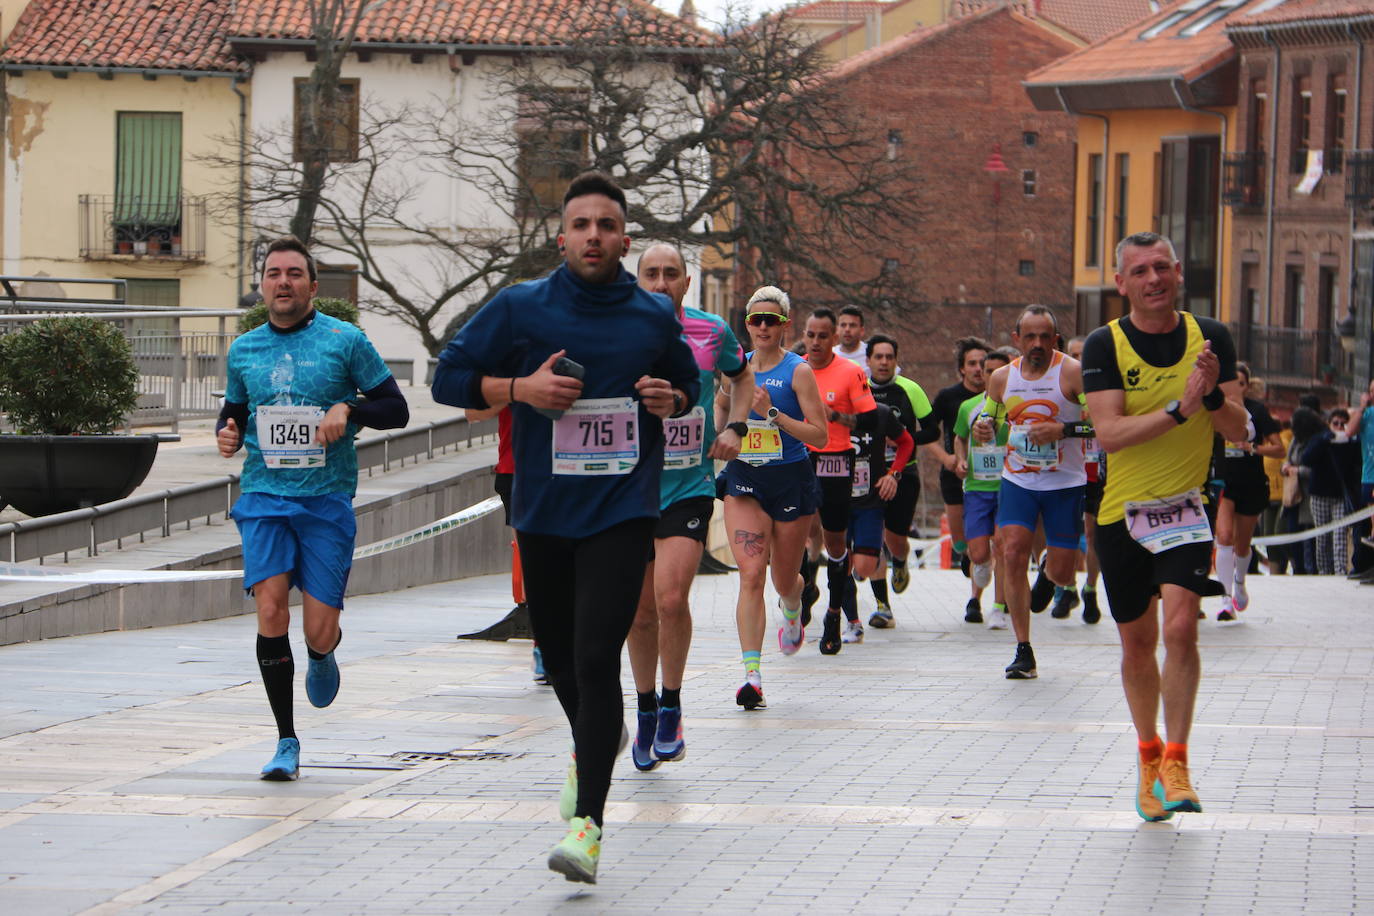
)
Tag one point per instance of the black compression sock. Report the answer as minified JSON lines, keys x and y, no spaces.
{"x":879,"y":589}
{"x":671,"y":698}
{"x":808,"y":569}
{"x":837,"y":573}
{"x":318,"y":656}
{"x":648,"y":702}
{"x":278,"y":667}
{"x":851,"y":599}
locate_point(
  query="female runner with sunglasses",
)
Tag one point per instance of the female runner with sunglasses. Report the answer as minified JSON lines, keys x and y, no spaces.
{"x":770,"y":490}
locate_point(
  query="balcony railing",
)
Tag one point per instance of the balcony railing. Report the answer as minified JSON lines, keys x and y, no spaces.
{"x":113,"y":226}
{"x":1359,"y":179}
{"x":1291,"y":356}
{"x":1243,"y":176}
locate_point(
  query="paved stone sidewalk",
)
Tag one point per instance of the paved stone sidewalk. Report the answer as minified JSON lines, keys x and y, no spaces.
{"x":903,"y":775}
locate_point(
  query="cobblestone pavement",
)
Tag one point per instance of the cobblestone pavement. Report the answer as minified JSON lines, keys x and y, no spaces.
{"x":903,"y":775}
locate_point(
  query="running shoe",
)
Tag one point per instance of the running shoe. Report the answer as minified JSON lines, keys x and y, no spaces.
{"x":853,"y":632}
{"x":567,"y":797}
{"x":1146,"y":804}
{"x":882,"y":617}
{"x":997,"y":618}
{"x":901,"y":577}
{"x":1091,"y":613}
{"x":1227,"y":613}
{"x":668,"y":744}
{"x":1174,"y":789}
{"x":830,"y":635}
{"x":1043,"y":589}
{"x":973,"y":611}
{"x":1065,"y":605}
{"x":1022,"y":668}
{"x":539,"y":676}
{"x":576,"y":857}
{"x":322,"y":681}
{"x":791,"y":634}
{"x":286,"y":765}
{"x":982,"y":574}
{"x":1240,"y":597}
{"x":750,"y":693}
{"x":642,"y":748}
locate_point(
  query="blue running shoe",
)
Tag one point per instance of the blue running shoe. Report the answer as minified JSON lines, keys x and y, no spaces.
{"x":322,"y":681}
{"x":287,"y":764}
{"x":642,"y":750}
{"x":668,"y":745}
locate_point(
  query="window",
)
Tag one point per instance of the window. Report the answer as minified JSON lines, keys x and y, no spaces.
{"x":1302,"y":122}
{"x":1189,"y":185}
{"x":1249,"y":294}
{"x":337,"y":281}
{"x":890,"y":266}
{"x":1030,"y":137}
{"x":1258,"y":127}
{"x":1028,"y":182}
{"x":1327,"y":298}
{"x":894,"y":143}
{"x":141,"y":291}
{"x":339,"y":128}
{"x":1026,"y":268}
{"x":1093,"y":231}
{"x":1294,"y":297}
{"x":1123,"y":183}
{"x":1334,"y":158}
{"x":147,"y":207}
{"x":552,"y":152}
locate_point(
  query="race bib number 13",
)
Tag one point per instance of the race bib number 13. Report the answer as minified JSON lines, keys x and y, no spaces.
{"x":286,"y":436}
{"x":762,"y":444}
{"x":597,"y":437}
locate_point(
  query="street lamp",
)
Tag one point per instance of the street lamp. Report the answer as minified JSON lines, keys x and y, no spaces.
{"x":258,"y":256}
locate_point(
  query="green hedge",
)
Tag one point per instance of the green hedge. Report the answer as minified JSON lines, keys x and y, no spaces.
{"x":67,"y":375}
{"x":341,"y":309}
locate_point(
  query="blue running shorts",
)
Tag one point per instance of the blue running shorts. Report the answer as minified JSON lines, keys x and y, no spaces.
{"x":866,"y":529}
{"x":310,"y":537}
{"x":1062,"y":511}
{"x":785,"y":491}
{"x":980,"y":514}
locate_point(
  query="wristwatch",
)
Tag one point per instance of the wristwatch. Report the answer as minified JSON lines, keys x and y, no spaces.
{"x":772,"y":415}
{"x":1172,"y":410}
{"x":739,"y":428}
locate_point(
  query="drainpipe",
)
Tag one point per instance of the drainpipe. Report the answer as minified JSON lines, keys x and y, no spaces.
{"x":1106,"y":171}
{"x":243,"y":169}
{"x":1221,"y":207}
{"x":1273,"y":183}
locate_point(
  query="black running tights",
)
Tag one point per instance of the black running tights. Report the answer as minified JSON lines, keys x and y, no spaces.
{"x":582,"y":594}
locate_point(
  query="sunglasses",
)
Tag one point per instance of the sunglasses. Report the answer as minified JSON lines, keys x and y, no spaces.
{"x":764,"y":319}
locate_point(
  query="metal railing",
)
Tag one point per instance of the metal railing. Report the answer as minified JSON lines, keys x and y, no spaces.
{"x":116,"y":227}
{"x":1243,"y":178}
{"x":1359,"y":179}
{"x":1292,"y":356}
{"x":178,"y":509}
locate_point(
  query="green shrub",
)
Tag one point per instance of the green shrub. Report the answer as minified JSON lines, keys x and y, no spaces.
{"x":341,"y":309}
{"x":68,"y":375}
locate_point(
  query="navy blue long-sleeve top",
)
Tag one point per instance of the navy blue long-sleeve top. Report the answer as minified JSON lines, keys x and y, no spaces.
{"x":618,"y":333}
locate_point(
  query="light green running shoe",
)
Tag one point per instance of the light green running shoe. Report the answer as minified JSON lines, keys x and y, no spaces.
{"x":576,"y":857}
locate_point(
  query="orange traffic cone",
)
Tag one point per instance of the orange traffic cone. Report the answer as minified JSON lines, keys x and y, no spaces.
{"x":517,"y":575}
{"x":946,"y":543}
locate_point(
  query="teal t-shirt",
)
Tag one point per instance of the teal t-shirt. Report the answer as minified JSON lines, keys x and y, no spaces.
{"x":961,"y":428}
{"x":687,"y":472}
{"x":322,"y":364}
{"x":1367,"y":445}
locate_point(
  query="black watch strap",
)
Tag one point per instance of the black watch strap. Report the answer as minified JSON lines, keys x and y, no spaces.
{"x":739,"y":428}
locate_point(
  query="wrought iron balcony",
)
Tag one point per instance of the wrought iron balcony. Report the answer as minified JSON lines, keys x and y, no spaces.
{"x":1297,"y":357}
{"x":117,"y":227}
{"x":1359,"y":179}
{"x":1243,"y":178}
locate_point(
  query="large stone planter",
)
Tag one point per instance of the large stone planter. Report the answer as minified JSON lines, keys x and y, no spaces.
{"x":43,"y":475}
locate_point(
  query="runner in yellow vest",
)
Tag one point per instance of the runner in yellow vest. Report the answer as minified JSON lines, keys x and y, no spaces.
{"x":1159,"y":384}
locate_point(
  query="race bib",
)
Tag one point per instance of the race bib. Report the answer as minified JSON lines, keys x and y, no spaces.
{"x":597,"y":437}
{"x":832,"y":465}
{"x":862,"y":481}
{"x":1161,"y":524}
{"x":1028,"y":454}
{"x":1235,"y":451}
{"x":985,"y":461}
{"x":1093,"y":453}
{"x":286,"y":436}
{"x":682,"y":439}
{"x":762,"y":444}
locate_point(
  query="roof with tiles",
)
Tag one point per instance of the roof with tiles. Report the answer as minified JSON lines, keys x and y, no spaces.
{"x":1091,"y":20}
{"x":524,"y":23}
{"x":837,"y":10}
{"x":1183,"y":43}
{"x":187,"y":35}
{"x":1308,"y":11}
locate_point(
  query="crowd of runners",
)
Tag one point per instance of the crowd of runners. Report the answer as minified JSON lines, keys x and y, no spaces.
{"x":1132,"y":452}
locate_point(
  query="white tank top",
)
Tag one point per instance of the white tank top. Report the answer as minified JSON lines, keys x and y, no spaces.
{"x":1057,"y":465}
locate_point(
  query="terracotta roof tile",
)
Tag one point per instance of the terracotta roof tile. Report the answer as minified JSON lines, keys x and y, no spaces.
{"x":140,"y":34}
{"x":1307,"y":10}
{"x":837,"y":10}
{"x":1091,"y":20}
{"x":532,"y":23}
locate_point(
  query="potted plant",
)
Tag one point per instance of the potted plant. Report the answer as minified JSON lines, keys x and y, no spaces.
{"x":66,"y":384}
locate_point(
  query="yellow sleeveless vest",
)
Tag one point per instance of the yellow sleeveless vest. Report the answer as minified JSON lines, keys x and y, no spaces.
{"x":1169,"y":464}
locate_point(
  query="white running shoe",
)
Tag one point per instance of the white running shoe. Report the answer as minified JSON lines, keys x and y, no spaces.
{"x":853,"y":632}
{"x":998,"y":619}
{"x":1240,"y":598}
{"x":982,"y":574}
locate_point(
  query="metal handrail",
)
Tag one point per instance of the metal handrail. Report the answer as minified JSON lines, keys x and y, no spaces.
{"x":38,"y":538}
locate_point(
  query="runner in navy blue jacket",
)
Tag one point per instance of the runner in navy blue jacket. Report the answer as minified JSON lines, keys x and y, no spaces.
{"x":587,"y":483}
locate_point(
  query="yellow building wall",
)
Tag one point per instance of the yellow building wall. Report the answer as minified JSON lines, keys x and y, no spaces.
{"x":895,"y":21}
{"x":60,"y":143}
{"x":1141,"y":134}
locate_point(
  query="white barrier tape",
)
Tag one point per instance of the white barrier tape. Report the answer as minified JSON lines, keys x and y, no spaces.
{"x":12,"y":572}
{"x":1273,"y":540}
